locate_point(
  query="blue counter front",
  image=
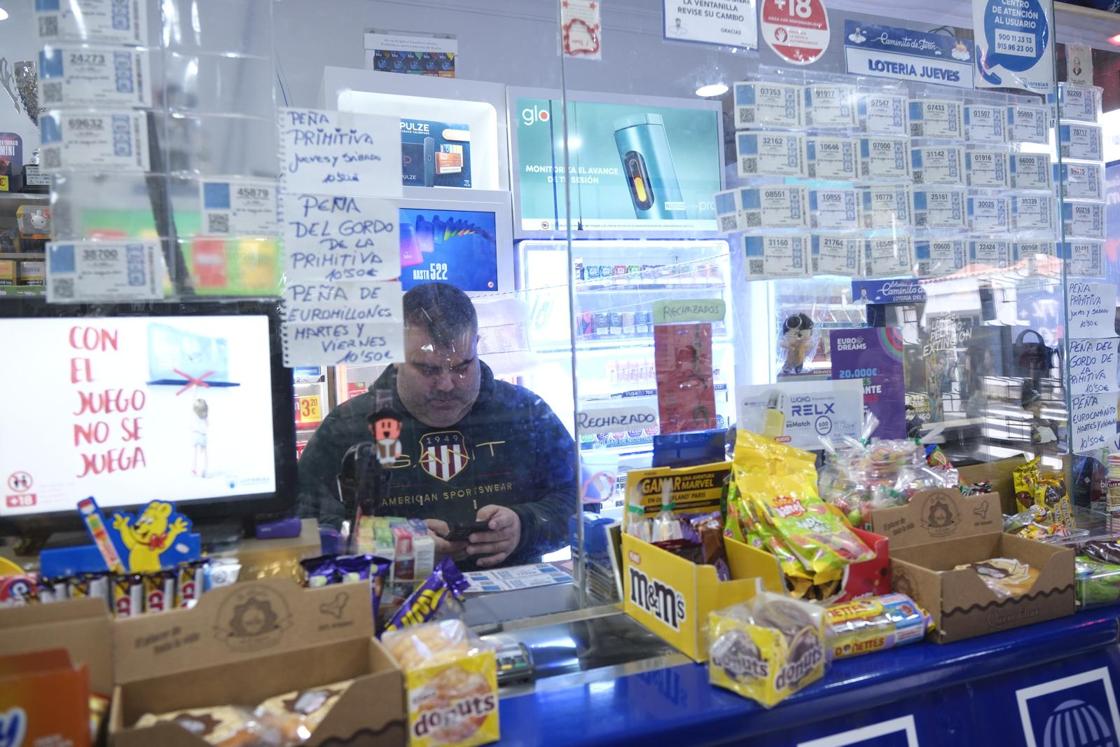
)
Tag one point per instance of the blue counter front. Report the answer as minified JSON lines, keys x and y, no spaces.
{"x":1046,"y":685}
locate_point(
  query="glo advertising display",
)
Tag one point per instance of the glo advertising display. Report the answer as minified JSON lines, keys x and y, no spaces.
{"x":634,"y":168}
{"x":129,"y":409}
{"x":459,"y":247}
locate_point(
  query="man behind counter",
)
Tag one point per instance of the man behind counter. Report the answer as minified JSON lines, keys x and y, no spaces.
{"x":468,"y":448}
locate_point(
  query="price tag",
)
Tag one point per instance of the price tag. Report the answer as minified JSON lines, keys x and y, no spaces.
{"x":886,"y":207}
{"x":1033,"y":213}
{"x":776,"y":256}
{"x":940,"y":118}
{"x":1084,"y":220}
{"x":95,"y":21}
{"x":993,"y":253}
{"x":884,"y":158}
{"x":239,"y":207}
{"x":937,"y":165}
{"x":308,"y":410}
{"x":1081,"y":142}
{"x":1082,"y":181}
{"x":884,"y":114}
{"x":71,"y":76}
{"x":834,"y":209}
{"x":775,"y":207}
{"x":1028,"y":124}
{"x":940,"y":257}
{"x":837,"y":255}
{"x":833,"y":158}
{"x":770,"y":154}
{"x":830,"y":106}
{"x":764,"y":104}
{"x":939,"y":208}
{"x":988,"y":214}
{"x":104,"y":271}
{"x":1030,"y":171}
{"x":987,"y":168}
{"x":985,"y":124}
{"x":104,"y":141}
{"x":889,"y":256}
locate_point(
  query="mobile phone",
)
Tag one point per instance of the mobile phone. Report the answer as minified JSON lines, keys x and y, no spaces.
{"x":462,"y":532}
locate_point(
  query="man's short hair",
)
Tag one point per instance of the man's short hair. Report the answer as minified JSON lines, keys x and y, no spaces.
{"x":443,"y":310}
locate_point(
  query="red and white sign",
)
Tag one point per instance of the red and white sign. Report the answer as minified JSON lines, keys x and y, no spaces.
{"x":581,"y":27}
{"x":797,"y":30}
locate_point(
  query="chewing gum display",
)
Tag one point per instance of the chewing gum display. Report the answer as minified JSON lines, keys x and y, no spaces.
{"x":937,"y":164}
{"x":884,"y":114}
{"x":765,"y":104}
{"x":1028,"y":123}
{"x":1031,"y":171}
{"x":834,"y":209}
{"x":837,"y":255}
{"x":870,"y":624}
{"x":831,"y":106}
{"x":937,"y":118}
{"x":884,"y":158}
{"x":985,"y":123}
{"x":939,"y":209}
{"x":768,"y":648}
{"x":833,"y":158}
{"x":776,"y":256}
{"x":770,"y":154}
{"x":990,"y":169}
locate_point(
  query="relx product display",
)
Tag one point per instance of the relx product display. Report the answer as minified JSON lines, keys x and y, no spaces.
{"x":435,"y":154}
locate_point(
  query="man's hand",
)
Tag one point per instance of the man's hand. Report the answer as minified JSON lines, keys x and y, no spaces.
{"x":500,"y":541}
{"x":440,"y":530}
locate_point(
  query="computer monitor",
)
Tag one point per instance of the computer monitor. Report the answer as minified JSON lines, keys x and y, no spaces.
{"x":185,"y":402}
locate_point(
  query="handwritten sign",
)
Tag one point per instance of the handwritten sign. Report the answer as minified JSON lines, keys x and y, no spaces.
{"x":1092,"y":310}
{"x":1092,"y":366}
{"x":343,"y":302}
{"x":334,"y":343}
{"x":699,"y":310}
{"x":332,"y":239}
{"x":340,"y":153}
{"x":599,"y":420}
{"x":1093,"y":422}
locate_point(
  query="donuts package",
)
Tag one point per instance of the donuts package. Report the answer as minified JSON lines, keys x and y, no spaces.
{"x":767,"y":648}
{"x":451,"y":678}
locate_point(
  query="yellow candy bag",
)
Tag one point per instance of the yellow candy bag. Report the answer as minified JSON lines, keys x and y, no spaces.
{"x":1025,"y":480}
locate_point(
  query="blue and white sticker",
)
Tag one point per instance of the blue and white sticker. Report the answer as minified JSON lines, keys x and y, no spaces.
{"x":888,"y":256}
{"x":1028,"y":123}
{"x":1082,"y":181}
{"x":1082,"y":704}
{"x":237,"y":206}
{"x":938,"y":257}
{"x":93,"y":21}
{"x":763,"y":104}
{"x":1033,"y":213}
{"x":1031,"y":171}
{"x":774,"y":206}
{"x":1081,"y":103}
{"x":105,"y":141}
{"x":1080,"y":141}
{"x":728,"y":207}
{"x":937,"y":118}
{"x":995,"y":253}
{"x":784,"y":256}
{"x":887,"y":207}
{"x":1014,"y":44}
{"x":1084,"y":258}
{"x":985,"y":123}
{"x":833,"y":158}
{"x":836,"y":254}
{"x":937,"y":164}
{"x":1083,"y":220}
{"x":770,"y":154}
{"x":884,"y":114}
{"x":831,"y":106}
{"x":988,"y":214}
{"x":884,"y":158}
{"x":104,"y":271}
{"x":1027,"y":248}
{"x":73,"y":77}
{"x":990,"y":169}
{"x":834,"y":209}
{"x":939,"y":209}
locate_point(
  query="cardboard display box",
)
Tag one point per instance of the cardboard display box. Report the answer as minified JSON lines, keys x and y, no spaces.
{"x":999,"y":474}
{"x":940,"y":529}
{"x":81,"y":626}
{"x":245,"y":643}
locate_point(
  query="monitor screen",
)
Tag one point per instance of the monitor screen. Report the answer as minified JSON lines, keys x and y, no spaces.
{"x":127,"y":409}
{"x":459,"y":247}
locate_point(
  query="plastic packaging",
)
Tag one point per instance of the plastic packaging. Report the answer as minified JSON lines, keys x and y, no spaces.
{"x":870,"y":624}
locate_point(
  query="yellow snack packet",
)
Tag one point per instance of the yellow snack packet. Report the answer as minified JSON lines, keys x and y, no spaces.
{"x":1025,"y":481}
{"x":768,"y":648}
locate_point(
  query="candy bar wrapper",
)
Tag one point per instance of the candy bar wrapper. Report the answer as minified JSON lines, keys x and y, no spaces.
{"x":701,"y":542}
{"x":767,"y":648}
{"x":874,"y":623}
{"x":446,"y":585}
{"x":297,"y":714}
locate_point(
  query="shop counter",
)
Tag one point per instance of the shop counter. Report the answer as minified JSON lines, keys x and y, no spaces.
{"x":1049,"y":684}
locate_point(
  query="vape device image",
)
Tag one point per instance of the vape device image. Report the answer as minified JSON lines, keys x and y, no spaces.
{"x":647,"y":165}
{"x":429,"y":161}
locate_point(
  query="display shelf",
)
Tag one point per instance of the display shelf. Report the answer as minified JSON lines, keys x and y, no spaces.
{"x":23,"y":255}
{"x":645,"y":287}
{"x":24,"y":198}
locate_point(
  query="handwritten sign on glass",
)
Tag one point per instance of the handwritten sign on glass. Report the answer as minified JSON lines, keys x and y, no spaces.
{"x":333,"y":343}
{"x":1092,"y":366}
{"x":1092,"y":421}
{"x":340,"y":153}
{"x":333,"y":239}
{"x":1092,"y":310}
